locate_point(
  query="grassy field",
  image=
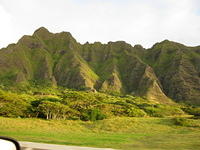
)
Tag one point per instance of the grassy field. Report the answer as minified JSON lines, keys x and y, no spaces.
{"x":119,"y":133}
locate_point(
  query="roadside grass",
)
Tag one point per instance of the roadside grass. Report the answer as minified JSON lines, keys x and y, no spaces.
{"x":120,"y":133}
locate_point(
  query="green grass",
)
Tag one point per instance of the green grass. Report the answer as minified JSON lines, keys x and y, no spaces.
{"x":120,"y":133}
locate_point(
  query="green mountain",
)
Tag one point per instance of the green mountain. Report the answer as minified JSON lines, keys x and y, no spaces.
{"x":177,"y":68}
{"x":166,"y":71}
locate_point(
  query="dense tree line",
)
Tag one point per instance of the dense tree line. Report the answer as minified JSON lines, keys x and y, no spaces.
{"x":69,"y":104}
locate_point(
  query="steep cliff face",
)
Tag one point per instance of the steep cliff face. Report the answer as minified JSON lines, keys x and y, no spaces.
{"x":168,"y":69}
{"x":177,"y":68}
{"x":121,"y":70}
{"x":150,"y":86}
{"x":73,"y":72}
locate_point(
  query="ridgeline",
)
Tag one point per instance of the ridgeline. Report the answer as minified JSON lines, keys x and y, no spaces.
{"x":166,"y":71}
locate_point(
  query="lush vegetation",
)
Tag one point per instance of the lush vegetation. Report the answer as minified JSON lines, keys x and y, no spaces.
{"x":133,"y":86}
{"x":167,"y":70}
{"x":65,"y":104}
{"x":88,"y":118}
{"x":118,"y":132}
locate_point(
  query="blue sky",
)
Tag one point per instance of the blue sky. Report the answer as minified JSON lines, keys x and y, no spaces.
{"x":142,"y":22}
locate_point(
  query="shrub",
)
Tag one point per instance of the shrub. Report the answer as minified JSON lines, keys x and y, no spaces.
{"x":93,"y":115}
{"x":192,"y":110}
{"x":180,"y":121}
{"x":186,"y":122}
{"x":13,"y":105}
{"x":118,"y":110}
{"x":163,"y":110}
{"x":135,"y":112}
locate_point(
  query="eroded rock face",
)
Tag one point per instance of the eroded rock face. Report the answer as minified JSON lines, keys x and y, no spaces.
{"x":177,"y":68}
{"x":150,"y":87}
{"x":112,"y":84}
{"x":168,"y":69}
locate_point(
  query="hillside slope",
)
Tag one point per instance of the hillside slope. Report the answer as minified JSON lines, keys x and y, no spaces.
{"x":178,"y":69}
{"x":168,"y":68}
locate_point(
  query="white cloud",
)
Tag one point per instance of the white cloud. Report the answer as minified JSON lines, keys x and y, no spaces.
{"x":137,"y":22}
{"x":5,"y":27}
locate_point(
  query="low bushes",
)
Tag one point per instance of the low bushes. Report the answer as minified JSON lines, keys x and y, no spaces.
{"x":192,"y":111}
{"x":159,"y":110}
{"x":186,"y":122}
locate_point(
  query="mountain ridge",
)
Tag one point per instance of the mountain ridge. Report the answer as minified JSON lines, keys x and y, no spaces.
{"x":168,"y":70}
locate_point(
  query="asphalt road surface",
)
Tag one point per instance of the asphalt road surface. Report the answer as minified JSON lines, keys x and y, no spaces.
{"x":42,"y":146}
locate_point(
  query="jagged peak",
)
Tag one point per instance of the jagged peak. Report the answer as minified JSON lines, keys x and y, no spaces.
{"x":86,"y":43}
{"x":25,"y":39}
{"x":64,"y":33}
{"x":118,"y":42}
{"x":138,"y":46}
{"x":41,"y":29}
{"x":42,"y":32}
{"x":94,"y":43}
{"x":97,"y":43}
{"x":161,"y":43}
{"x":168,"y":43}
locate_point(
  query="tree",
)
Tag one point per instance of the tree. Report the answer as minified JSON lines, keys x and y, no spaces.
{"x":13,"y":105}
{"x":46,"y":108}
{"x":55,"y":110}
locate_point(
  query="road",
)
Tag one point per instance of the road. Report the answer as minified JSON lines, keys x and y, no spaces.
{"x":42,"y":146}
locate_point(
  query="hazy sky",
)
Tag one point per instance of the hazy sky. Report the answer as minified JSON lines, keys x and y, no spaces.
{"x":142,"y":22}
